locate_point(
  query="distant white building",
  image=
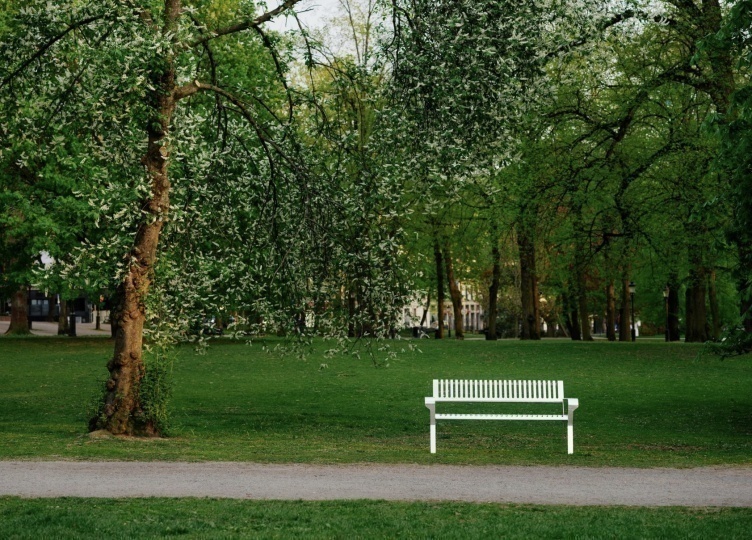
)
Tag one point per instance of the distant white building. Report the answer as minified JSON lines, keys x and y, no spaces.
{"x":473,"y":314}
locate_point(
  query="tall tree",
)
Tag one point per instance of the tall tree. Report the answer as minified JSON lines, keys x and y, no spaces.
{"x":146,"y":80}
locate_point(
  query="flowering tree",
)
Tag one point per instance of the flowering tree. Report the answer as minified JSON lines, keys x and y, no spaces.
{"x":191,"y":159}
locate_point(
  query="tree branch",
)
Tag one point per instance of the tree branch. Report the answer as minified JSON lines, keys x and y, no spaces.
{"x":244,"y":25}
{"x":44,"y":48}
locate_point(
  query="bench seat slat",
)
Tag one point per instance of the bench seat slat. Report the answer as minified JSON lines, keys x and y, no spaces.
{"x":497,"y":400}
{"x":449,"y":416}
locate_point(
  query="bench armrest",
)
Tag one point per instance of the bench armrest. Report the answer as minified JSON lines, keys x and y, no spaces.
{"x":572,"y":404}
{"x":430,"y":401}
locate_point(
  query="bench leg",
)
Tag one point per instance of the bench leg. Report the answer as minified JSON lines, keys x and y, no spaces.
{"x":572,"y":404}
{"x":432,"y":410}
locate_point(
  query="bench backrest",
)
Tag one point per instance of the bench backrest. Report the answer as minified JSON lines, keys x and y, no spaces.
{"x":500,"y":390}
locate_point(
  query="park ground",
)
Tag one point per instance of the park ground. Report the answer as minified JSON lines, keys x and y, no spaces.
{"x":645,"y":407}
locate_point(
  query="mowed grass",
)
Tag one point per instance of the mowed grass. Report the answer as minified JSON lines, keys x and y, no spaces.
{"x":204,"y":518}
{"x":645,"y":404}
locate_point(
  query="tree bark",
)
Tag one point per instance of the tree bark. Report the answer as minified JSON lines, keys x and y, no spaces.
{"x":611,"y":312}
{"x":62,"y":318}
{"x":715,"y":315}
{"x":438,"y":258}
{"x":19,"y":312}
{"x":493,"y":294}
{"x":673,"y":307}
{"x":696,"y":312}
{"x":572,"y":318}
{"x":583,"y":308}
{"x":528,"y":285}
{"x":625,"y":326}
{"x":455,"y":294}
{"x":426,"y":310}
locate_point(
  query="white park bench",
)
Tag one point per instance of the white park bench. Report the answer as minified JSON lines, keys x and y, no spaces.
{"x":477,"y":391}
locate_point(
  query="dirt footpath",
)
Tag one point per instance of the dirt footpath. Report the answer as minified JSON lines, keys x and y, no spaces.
{"x":714,"y":486}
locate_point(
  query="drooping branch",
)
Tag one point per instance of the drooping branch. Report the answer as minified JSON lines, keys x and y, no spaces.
{"x":269,"y":45}
{"x":244,"y":25}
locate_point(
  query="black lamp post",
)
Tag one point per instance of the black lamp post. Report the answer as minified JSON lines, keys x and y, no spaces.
{"x":632,"y":289}
{"x":666,"y":290}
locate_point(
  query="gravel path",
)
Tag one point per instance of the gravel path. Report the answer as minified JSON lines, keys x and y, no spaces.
{"x":714,"y":486}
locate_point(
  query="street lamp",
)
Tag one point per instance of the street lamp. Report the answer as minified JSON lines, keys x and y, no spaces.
{"x":632,"y":289}
{"x":666,"y":291}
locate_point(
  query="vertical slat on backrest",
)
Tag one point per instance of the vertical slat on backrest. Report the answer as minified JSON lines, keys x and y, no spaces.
{"x":538,"y":389}
{"x":436,"y":388}
{"x":560,"y":390}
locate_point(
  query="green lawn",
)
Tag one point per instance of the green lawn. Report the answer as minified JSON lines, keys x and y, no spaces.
{"x":646,"y":404}
{"x":204,"y":518}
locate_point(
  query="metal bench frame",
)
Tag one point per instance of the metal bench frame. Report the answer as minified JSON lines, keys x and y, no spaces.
{"x":501,"y":391}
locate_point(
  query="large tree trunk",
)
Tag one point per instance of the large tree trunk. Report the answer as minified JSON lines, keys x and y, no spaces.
{"x":63,"y":322}
{"x":572,"y":318}
{"x":438,"y":258}
{"x":493,"y":294}
{"x":611,"y":312}
{"x":528,"y":285}
{"x":696,"y":312}
{"x":715,"y":315}
{"x":123,"y":412}
{"x":673,"y":307}
{"x":455,"y":294}
{"x":19,"y":312}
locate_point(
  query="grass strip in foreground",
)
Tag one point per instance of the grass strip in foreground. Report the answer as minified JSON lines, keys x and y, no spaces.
{"x":211,"y":518}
